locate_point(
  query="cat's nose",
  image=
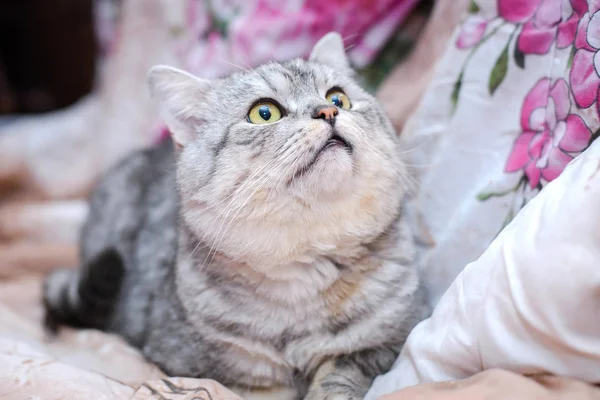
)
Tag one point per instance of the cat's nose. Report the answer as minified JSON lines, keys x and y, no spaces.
{"x":327,"y":113}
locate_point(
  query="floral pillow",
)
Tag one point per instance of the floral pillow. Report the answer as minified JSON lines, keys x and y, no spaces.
{"x":504,"y":143}
{"x":551,"y":133}
{"x":514,"y":101}
{"x":529,"y":304}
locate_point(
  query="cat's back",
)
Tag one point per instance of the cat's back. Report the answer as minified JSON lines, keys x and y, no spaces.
{"x":130,"y":197}
{"x":133,"y":210}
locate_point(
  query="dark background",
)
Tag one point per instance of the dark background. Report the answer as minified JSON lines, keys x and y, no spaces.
{"x":47,"y":54}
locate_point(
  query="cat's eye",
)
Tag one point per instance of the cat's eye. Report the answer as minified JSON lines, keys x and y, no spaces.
{"x":338,"y":99}
{"x":264,"y":112}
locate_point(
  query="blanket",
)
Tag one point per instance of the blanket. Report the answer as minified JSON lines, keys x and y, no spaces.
{"x":49,"y":163}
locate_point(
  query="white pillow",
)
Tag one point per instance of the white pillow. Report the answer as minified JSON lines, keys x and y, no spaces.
{"x":530,"y":303}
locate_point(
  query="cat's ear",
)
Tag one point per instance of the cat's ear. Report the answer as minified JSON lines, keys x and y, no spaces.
{"x":329,"y":50}
{"x":180,"y":96}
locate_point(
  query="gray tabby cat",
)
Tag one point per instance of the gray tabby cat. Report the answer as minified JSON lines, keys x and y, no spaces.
{"x":267,"y":251}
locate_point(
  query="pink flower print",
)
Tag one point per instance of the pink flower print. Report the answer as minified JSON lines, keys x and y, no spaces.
{"x":236,"y":34}
{"x":517,"y":11}
{"x":584,"y":75}
{"x":550,"y":136}
{"x":543,"y":22}
{"x":471,"y":32}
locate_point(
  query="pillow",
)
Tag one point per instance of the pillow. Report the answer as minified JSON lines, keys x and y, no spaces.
{"x":529,"y":304}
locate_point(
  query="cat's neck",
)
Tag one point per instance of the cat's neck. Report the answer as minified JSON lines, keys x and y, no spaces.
{"x":297,"y":280}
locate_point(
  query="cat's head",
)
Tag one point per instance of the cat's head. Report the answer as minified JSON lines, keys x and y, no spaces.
{"x":284,"y":162}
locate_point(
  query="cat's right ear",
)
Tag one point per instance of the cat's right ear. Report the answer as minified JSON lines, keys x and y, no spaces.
{"x":180,"y":96}
{"x":329,"y":50}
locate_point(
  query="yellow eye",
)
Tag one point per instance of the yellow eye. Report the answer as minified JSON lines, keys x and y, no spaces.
{"x":264,"y":113}
{"x":338,"y":99}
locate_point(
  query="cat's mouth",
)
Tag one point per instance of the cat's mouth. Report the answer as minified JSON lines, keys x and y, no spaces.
{"x":335,"y":141}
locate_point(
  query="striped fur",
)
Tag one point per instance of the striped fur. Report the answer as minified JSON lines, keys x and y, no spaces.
{"x":238,"y":267}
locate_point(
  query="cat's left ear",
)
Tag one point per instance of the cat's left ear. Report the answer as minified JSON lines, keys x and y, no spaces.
{"x":180,"y":96}
{"x":329,"y":50}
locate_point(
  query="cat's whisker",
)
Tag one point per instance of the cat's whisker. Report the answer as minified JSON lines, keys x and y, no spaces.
{"x":377,"y":151}
{"x":430,"y":139}
{"x":422,"y":165}
{"x":413,"y":183}
{"x":259,"y":170}
{"x":248,"y":65}
{"x":275,"y":160}
{"x":350,"y":36}
{"x":282,"y":178}
{"x":349,"y":47}
{"x":283,"y":160}
{"x":285,"y":174}
{"x":222,"y":202}
{"x":234,"y":194}
{"x":387,"y":158}
{"x":222,"y":231}
{"x":236,"y":65}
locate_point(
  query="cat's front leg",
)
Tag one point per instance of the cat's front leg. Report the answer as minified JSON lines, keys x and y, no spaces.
{"x":349,"y":377}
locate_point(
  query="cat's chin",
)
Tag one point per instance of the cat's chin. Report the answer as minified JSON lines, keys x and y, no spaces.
{"x":330,"y":173}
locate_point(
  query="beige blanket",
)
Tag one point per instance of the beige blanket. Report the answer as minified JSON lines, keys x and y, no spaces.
{"x":82,"y":364}
{"x":42,"y":209}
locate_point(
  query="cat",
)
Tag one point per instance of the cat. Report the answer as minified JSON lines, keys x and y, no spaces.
{"x":263,"y":244}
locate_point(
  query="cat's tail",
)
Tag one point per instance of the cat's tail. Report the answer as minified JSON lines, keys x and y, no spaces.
{"x":84,"y":298}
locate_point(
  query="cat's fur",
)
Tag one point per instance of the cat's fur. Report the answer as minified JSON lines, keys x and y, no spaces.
{"x":276,"y":277}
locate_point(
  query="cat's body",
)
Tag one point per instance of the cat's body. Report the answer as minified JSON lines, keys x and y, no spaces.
{"x":285,"y":268}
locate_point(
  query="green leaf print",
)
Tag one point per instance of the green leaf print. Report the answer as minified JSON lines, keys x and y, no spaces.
{"x":499,"y":71}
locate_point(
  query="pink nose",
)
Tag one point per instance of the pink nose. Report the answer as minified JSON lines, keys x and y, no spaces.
{"x":326,"y":112}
